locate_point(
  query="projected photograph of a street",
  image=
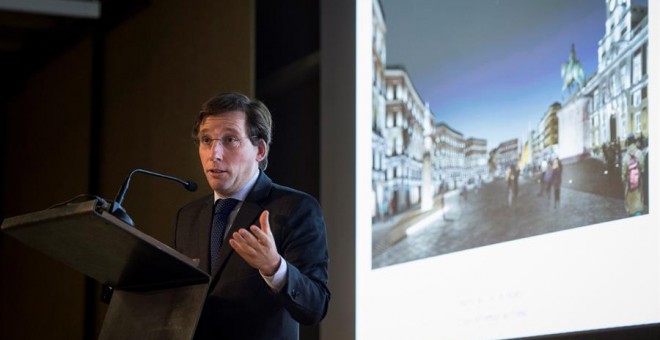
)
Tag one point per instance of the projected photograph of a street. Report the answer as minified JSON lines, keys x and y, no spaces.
{"x":495,"y":121}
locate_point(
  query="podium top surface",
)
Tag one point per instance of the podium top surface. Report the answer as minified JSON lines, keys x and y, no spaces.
{"x":90,"y":240}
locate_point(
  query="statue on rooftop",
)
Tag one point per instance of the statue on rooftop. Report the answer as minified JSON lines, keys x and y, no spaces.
{"x":572,"y":72}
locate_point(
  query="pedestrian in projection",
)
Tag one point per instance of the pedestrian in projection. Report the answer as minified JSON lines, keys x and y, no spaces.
{"x":542,"y":168}
{"x":556,"y":179}
{"x":642,"y":144}
{"x":547,"y":179}
{"x":631,"y":174}
{"x":509,"y":185}
{"x":516,"y":173}
{"x":512,"y":183}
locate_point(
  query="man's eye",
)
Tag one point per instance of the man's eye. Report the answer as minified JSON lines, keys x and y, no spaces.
{"x":206,"y":140}
{"x":231,"y":139}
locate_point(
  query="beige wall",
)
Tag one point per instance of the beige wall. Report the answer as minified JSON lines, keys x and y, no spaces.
{"x":160,"y":65}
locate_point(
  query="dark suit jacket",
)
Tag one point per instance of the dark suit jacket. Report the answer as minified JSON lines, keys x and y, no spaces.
{"x":240,"y":305}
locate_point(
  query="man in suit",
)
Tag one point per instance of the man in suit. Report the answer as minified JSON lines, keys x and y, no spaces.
{"x":269,"y":265}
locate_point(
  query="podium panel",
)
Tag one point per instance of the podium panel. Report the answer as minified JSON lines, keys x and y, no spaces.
{"x":172,"y":312}
{"x":158,"y":292}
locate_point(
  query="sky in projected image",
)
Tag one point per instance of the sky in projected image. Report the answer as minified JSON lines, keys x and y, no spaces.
{"x":499,"y":60}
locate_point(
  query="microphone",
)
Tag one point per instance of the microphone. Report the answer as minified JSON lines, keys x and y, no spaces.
{"x":118,"y":211}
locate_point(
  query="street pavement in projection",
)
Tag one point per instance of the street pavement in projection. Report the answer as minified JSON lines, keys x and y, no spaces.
{"x":485,"y":217}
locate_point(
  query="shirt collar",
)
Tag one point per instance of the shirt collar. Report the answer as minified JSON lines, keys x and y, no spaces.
{"x":241,"y":194}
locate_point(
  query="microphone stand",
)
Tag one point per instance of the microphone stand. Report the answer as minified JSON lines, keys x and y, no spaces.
{"x":118,"y":211}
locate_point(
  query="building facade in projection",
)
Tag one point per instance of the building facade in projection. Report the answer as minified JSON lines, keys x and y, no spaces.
{"x":413,"y":157}
{"x":406,"y":118}
{"x":450,"y":144}
{"x":605,"y":107}
{"x":476,"y":157}
{"x":613,"y":103}
{"x":619,"y":90}
{"x":505,"y":155}
{"x":378,"y":144}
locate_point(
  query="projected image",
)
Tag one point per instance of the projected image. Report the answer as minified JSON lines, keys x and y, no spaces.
{"x":499,"y":120}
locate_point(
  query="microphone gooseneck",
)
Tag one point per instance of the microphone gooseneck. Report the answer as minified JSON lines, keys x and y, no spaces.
{"x":118,"y":211}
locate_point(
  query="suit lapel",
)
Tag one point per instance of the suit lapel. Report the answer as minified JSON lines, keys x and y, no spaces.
{"x":204,"y":227}
{"x":246,"y":216}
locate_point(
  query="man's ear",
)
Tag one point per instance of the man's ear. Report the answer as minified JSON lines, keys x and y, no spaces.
{"x":262,"y":150}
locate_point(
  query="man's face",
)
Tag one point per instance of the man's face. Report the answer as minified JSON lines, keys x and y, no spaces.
{"x":228,"y":157}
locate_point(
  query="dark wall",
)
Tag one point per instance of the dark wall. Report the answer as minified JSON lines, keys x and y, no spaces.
{"x":46,"y":150}
{"x":287,"y":81}
{"x":124,"y":96}
{"x":121,"y":98}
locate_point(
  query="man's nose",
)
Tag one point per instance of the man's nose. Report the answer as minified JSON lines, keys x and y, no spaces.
{"x":217,"y":150}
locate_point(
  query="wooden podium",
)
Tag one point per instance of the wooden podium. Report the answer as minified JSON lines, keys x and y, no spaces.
{"x":158,"y":292}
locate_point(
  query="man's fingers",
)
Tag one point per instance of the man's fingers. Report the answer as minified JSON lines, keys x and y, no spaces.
{"x":242,"y":243}
{"x":248,"y":238}
{"x":265,"y":225}
{"x":238,"y":246}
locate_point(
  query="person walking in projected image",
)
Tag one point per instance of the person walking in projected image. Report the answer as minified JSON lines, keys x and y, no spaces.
{"x":508,"y":174}
{"x":541,"y":179}
{"x":547,"y":179}
{"x":269,"y":269}
{"x":632,"y":167}
{"x":556,"y":180}
{"x":512,"y":183}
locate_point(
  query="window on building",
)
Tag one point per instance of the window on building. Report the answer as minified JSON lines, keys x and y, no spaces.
{"x":596,"y":100}
{"x":624,"y":100}
{"x":623,"y":126}
{"x":637,"y":121}
{"x":614,"y":84}
{"x":399,"y":146}
{"x":625,"y":77}
{"x":644,"y":58}
{"x":637,"y":68}
{"x":637,"y":98}
{"x":644,"y":92}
